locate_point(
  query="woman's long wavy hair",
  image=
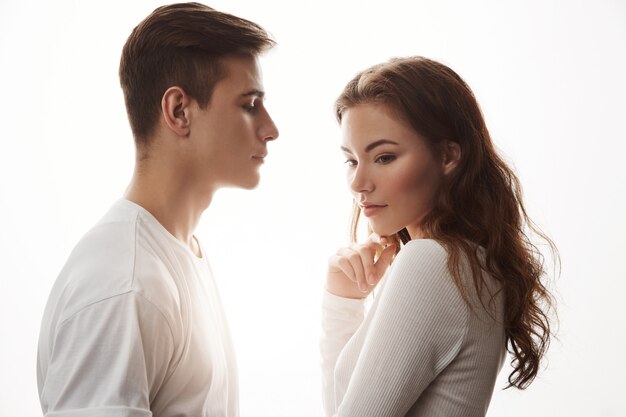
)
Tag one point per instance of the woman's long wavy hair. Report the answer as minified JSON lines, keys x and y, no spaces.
{"x":479,"y":203}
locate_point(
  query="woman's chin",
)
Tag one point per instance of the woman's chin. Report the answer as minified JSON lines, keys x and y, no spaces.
{"x":382,"y":230}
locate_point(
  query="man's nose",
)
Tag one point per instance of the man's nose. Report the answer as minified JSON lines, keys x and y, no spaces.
{"x":268,"y":131}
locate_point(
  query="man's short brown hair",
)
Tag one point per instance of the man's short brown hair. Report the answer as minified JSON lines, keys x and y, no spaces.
{"x":180,"y":45}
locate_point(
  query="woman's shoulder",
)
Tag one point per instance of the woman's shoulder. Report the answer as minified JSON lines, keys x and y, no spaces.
{"x":433,"y":252}
{"x":420,"y":261}
{"x":425,"y":249}
{"x":424,"y":243}
{"x":420,"y":276}
{"x":424,"y":263}
{"x":427,"y":262}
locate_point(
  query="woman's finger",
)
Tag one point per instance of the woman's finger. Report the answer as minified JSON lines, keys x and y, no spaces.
{"x":378,"y":239}
{"x":357,"y":264}
{"x":367,"y":252}
{"x":384,"y":260}
{"x":341,"y":262}
{"x":354,"y":258}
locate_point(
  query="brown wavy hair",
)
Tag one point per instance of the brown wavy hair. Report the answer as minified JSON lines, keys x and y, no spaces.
{"x":479,"y":204}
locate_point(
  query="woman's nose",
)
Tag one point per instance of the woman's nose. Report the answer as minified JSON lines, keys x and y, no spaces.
{"x":361,"y":182}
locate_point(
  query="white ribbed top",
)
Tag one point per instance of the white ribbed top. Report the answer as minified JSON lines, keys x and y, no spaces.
{"x":419,"y":351}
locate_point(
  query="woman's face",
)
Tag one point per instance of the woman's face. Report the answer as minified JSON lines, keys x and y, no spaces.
{"x":391,"y":171}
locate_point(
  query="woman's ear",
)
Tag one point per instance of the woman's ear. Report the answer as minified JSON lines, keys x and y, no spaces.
{"x":451,"y":156}
{"x":175,"y":108}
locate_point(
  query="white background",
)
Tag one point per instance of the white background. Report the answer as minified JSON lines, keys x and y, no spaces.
{"x":550,"y":77}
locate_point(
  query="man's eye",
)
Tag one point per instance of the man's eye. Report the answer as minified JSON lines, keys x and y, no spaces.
{"x":252,"y":106}
{"x":385,"y":159}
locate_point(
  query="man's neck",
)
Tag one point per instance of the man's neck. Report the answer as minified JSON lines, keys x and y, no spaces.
{"x":172,"y":199}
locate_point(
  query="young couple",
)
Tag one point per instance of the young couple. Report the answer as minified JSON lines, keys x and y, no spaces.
{"x":134,"y":325}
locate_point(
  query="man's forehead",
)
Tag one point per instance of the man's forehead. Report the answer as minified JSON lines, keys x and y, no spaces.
{"x":243,"y":74}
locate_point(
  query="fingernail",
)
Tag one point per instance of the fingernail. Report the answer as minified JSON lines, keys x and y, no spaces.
{"x":370,"y":279}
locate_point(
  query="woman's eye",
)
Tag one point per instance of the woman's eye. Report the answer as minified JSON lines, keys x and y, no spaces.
{"x":385,"y":159}
{"x":350,"y":162}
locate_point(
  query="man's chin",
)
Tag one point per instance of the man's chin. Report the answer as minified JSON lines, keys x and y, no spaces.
{"x":250,"y":186}
{"x":248,"y":183}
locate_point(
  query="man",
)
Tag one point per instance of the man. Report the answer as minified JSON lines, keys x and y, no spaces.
{"x":134,"y":325}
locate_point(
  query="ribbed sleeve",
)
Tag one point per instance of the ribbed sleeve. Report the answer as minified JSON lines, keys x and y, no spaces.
{"x":341,"y":317}
{"x":415,"y":329}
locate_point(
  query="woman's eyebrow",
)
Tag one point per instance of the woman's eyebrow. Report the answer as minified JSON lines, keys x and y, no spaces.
{"x":378,"y":143}
{"x":372,"y":145}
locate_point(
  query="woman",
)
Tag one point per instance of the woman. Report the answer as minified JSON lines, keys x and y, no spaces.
{"x":465,"y":284}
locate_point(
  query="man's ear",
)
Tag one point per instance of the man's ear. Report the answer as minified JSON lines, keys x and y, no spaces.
{"x":451,"y":156}
{"x":175,"y":108}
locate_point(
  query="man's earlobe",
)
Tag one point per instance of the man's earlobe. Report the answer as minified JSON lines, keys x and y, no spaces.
{"x":451,"y":156}
{"x":175,"y":109}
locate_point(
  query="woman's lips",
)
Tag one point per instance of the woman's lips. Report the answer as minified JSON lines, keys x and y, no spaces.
{"x":370,"y":210}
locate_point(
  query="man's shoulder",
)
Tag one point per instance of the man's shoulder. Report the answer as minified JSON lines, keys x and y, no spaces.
{"x":111,"y":259}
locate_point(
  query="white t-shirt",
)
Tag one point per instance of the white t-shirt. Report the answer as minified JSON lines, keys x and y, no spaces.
{"x":421,"y":350}
{"x":134,"y":326}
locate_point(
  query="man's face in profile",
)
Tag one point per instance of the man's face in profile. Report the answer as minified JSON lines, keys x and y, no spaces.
{"x":230,"y":136}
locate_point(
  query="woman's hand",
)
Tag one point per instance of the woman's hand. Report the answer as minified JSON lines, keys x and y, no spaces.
{"x":352,"y":272}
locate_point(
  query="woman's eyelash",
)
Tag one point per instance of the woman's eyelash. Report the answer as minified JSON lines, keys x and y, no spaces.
{"x":382,"y":159}
{"x":385,"y":159}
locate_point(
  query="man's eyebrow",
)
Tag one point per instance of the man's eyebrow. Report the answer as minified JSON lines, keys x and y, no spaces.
{"x":254,"y":92}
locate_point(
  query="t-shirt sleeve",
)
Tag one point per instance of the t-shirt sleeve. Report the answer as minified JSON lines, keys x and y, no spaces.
{"x":418,"y":328}
{"x":108,"y":359}
{"x":341,"y":317}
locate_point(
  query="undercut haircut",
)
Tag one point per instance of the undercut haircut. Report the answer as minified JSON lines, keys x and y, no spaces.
{"x":180,"y":45}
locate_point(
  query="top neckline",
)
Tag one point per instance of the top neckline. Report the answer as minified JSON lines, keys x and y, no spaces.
{"x":130,"y":204}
